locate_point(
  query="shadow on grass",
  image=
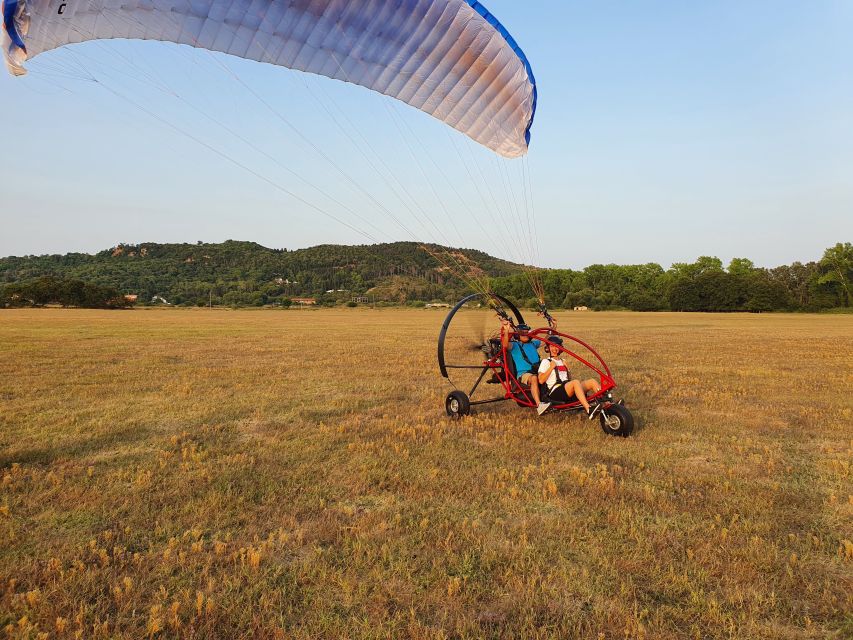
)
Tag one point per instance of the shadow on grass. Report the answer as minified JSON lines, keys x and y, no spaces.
{"x":642,"y":418}
{"x":75,"y":448}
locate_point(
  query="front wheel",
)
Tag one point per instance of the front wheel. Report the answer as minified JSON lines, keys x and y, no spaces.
{"x":457,"y":404}
{"x":616,"y":420}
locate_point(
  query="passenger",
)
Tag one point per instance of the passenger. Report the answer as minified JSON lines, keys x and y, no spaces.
{"x":557,"y":378}
{"x":525,"y":355}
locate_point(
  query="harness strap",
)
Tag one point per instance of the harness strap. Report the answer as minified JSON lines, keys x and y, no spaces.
{"x":524,"y":355}
{"x":558,"y":383}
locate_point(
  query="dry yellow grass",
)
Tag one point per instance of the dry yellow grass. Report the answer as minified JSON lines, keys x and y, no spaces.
{"x":291,"y":475}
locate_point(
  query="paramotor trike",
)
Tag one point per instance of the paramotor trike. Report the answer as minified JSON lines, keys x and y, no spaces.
{"x":469,"y":364}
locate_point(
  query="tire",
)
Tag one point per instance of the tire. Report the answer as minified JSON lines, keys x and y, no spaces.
{"x":616,"y":420}
{"x":457,"y":404}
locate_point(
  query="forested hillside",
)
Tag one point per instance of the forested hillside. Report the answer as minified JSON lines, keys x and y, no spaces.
{"x":248,"y":274}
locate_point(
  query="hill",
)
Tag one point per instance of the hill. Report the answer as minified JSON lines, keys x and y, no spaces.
{"x":246,"y":273}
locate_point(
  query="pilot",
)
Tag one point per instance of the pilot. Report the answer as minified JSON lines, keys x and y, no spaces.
{"x":525,"y":355}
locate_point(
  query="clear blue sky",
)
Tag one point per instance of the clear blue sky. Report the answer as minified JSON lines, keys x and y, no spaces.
{"x":665,"y":131}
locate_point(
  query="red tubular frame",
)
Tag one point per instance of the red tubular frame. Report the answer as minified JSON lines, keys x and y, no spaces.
{"x":522,"y":395}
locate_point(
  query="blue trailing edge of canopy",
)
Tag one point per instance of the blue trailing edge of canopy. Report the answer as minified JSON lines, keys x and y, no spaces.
{"x":10,"y":10}
{"x":492,"y":20}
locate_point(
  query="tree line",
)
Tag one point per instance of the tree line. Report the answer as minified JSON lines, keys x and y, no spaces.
{"x":49,"y":290}
{"x":246,"y":274}
{"x":704,"y":285}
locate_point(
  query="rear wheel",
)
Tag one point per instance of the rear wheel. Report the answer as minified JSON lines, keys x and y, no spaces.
{"x":457,"y":404}
{"x":616,"y":420}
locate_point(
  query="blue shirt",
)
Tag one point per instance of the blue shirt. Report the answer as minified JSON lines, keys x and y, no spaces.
{"x":531,"y":350}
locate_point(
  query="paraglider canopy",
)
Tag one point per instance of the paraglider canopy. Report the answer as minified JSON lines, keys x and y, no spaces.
{"x":449,"y":58}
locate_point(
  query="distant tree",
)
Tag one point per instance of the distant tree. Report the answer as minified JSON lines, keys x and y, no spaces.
{"x":765,"y":293}
{"x":694,"y":269}
{"x":691,"y":284}
{"x":596,"y":275}
{"x":741,"y":267}
{"x":837,"y":270}
{"x":798,"y":280}
{"x":582,"y":298}
{"x":645,"y":300}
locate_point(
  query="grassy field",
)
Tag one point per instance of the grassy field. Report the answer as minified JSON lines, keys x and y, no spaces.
{"x":262,"y":474}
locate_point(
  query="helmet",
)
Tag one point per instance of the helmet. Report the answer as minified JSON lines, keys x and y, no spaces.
{"x":555,"y":340}
{"x":523,"y":327}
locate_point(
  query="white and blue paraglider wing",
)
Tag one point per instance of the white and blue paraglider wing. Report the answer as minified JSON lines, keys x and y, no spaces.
{"x":449,"y":58}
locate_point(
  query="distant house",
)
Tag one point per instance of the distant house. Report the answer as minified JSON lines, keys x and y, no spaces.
{"x":305,"y":301}
{"x":131,"y":297}
{"x":437,"y":305}
{"x":581,"y":308}
{"x":361,"y":299}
